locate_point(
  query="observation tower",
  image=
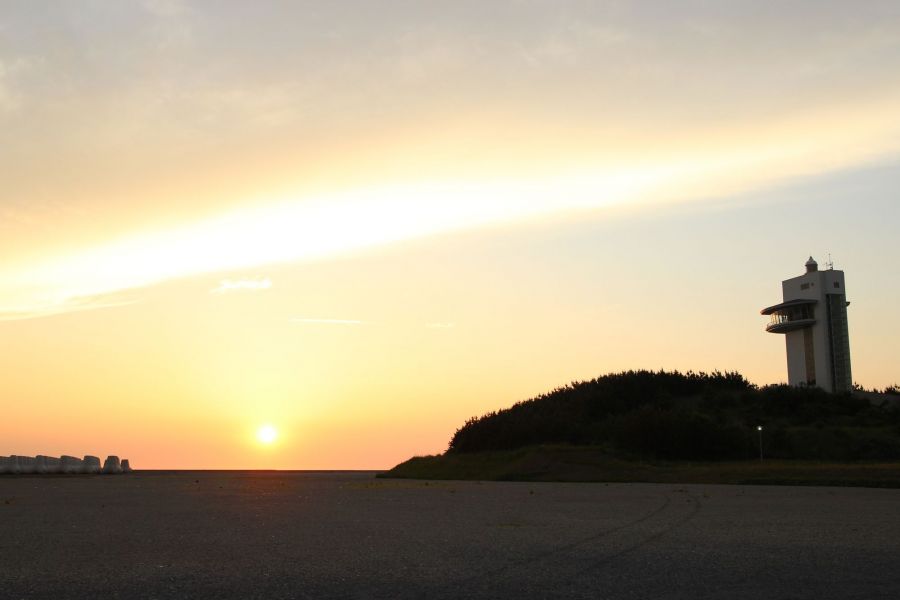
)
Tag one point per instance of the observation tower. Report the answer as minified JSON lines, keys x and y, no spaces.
{"x":813,"y":319}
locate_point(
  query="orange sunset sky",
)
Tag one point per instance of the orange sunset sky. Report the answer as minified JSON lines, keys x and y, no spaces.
{"x":361,"y":223}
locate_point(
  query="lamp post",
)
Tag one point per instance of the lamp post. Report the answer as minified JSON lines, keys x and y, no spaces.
{"x":759,"y":430}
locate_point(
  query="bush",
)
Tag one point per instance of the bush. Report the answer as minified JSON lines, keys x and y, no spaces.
{"x":698,"y":416}
{"x":677,"y":434}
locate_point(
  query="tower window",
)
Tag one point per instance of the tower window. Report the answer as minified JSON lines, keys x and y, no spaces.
{"x":837,"y":284}
{"x":804,"y":286}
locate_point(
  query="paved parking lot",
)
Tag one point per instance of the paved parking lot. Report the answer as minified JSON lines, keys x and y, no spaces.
{"x":349,"y":535}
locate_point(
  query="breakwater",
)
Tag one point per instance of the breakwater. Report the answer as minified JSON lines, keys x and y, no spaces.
{"x":40,"y":465}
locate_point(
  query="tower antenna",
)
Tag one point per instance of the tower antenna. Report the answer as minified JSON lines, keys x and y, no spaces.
{"x":829,"y":264}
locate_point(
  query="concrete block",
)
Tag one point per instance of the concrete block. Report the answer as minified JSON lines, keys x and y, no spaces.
{"x":46,"y":464}
{"x":71,"y":464}
{"x":112,"y":465}
{"x":23,"y":464}
{"x":126,"y":466}
{"x":91,"y":464}
{"x":12,"y":464}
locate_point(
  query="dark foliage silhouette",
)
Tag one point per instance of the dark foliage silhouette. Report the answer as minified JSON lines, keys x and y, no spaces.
{"x":696,"y":416}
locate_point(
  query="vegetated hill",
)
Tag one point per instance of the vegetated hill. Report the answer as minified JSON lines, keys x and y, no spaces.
{"x":691,"y":416}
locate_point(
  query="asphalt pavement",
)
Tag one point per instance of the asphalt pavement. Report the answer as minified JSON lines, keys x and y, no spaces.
{"x":349,"y":535}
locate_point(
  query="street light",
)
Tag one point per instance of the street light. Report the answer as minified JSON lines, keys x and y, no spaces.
{"x":759,"y":429}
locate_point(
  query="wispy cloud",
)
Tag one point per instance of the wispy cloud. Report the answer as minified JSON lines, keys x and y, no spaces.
{"x":69,"y":305}
{"x":241,"y":285}
{"x":682,"y":123}
{"x":313,"y":228}
{"x":309,"y":321}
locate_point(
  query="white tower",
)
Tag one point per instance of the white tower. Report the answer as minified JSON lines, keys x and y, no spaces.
{"x":813,"y":318}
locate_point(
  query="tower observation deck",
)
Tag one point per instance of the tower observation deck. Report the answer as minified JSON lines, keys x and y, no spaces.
{"x":813,"y":319}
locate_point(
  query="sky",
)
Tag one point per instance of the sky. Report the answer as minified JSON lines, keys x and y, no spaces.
{"x":361,"y":223}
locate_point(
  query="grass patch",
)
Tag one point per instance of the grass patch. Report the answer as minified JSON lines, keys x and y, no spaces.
{"x":593,"y":464}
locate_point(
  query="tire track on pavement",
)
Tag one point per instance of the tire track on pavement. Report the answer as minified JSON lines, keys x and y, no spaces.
{"x":483,"y":577}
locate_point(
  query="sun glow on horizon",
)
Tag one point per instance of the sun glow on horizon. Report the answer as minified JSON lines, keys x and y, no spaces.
{"x":328,"y":243}
{"x":267,"y":435}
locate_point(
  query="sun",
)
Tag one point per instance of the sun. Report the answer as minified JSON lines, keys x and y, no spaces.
{"x":266,"y":434}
